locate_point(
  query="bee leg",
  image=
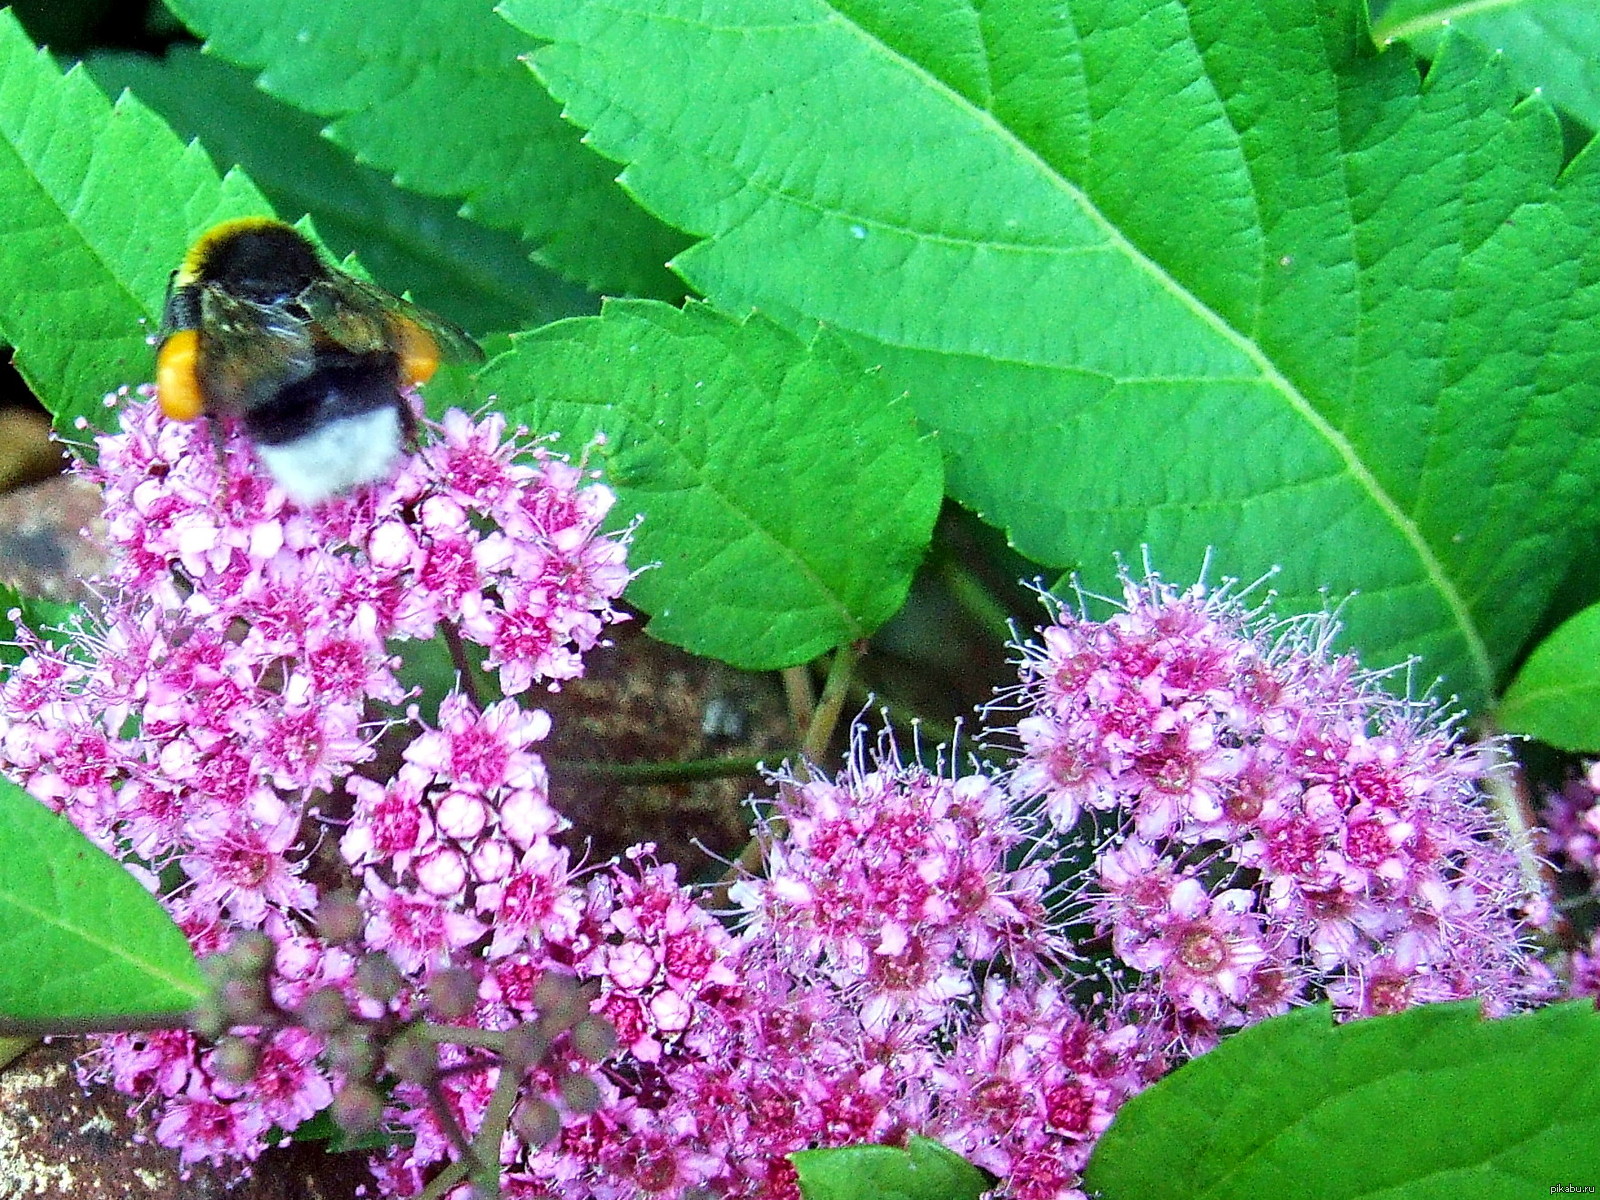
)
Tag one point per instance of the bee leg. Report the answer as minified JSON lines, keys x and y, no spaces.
{"x":219,"y":451}
{"x":219,"y":444}
{"x":410,"y":426}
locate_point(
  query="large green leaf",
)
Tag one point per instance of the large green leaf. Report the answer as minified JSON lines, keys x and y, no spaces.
{"x":81,"y":282}
{"x":1176,"y":274}
{"x":1552,"y":45}
{"x":433,"y":95}
{"x":480,"y":278}
{"x":787,"y":495}
{"x":79,"y":937}
{"x":1431,"y":1104}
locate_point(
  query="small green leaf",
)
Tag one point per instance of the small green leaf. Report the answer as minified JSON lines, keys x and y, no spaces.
{"x":1556,"y":695}
{"x":47,"y":618}
{"x":787,"y":495}
{"x":79,"y":938}
{"x":922,"y":1170}
{"x":81,"y":283}
{"x":1431,"y":1104}
{"x":323,"y":1128}
{"x":436,"y":96}
{"x":1552,"y":46}
{"x":478,"y":277}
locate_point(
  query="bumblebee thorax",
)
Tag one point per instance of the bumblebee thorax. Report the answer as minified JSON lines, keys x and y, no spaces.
{"x":267,"y":264}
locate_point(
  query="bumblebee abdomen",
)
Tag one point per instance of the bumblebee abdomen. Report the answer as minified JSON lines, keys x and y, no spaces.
{"x":339,"y":386}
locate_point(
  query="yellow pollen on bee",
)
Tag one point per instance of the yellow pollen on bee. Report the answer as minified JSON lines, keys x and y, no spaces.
{"x":177,"y":386}
{"x":419,"y":353}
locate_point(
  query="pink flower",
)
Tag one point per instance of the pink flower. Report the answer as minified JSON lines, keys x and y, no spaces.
{"x":1267,"y":824}
{"x":1203,"y":948}
{"x":288,"y":1086}
{"x":244,"y":867}
{"x":204,"y":1129}
{"x":217,"y":717}
{"x":1030,"y":1084}
{"x":1586,"y":969}
{"x":895,"y":879}
{"x":419,"y":931}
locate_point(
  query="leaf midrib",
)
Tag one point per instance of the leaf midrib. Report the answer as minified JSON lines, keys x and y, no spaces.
{"x":1433,"y":569}
{"x":115,"y":948}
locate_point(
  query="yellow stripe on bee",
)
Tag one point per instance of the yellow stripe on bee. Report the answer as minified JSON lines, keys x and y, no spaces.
{"x":201,"y":250}
{"x":419,"y":353}
{"x":177,"y":385}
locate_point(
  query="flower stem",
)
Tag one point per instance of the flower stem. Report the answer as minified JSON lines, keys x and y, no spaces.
{"x":1503,"y":784}
{"x":492,"y":1131}
{"x":462,"y":1035}
{"x":823,"y":722}
{"x":463,"y":664}
{"x":802,"y":698}
{"x":818,"y":734}
{"x":445,"y":1180}
{"x":468,"y":1158}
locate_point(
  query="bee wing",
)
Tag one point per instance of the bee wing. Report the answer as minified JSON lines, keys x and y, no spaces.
{"x":347,"y":313}
{"x":360,"y":311}
{"x":249,"y":350}
{"x":455,"y":344}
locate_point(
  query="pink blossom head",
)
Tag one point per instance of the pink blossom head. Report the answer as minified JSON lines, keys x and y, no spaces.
{"x":1266,"y":824}
{"x":897,"y":879}
{"x":234,"y":721}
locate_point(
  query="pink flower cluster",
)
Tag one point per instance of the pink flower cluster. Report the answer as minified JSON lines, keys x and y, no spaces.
{"x":246,"y":664}
{"x":1572,"y":822}
{"x":891,"y":892}
{"x":1572,"y":831}
{"x":1261,"y":827}
{"x":1267,"y":825}
{"x":844,"y":1010}
{"x":893,"y":882}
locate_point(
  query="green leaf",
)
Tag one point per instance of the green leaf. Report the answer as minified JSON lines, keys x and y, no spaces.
{"x":1556,"y":695}
{"x":1430,"y":1104}
{"x":1176,"y":275}
{"x":81,"y":283}
{"x":479,"y":278}
{"x":48,"y":618}
{"x":787,"y":495}
{"x":922,"y":1170}
{"x":79,"y":938}
{"x":323,"y":1128}
{"x":1550,"y":45}
{"x":435,"y":96}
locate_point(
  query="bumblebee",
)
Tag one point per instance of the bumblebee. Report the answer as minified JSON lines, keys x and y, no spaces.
{"x":310,"y":360}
